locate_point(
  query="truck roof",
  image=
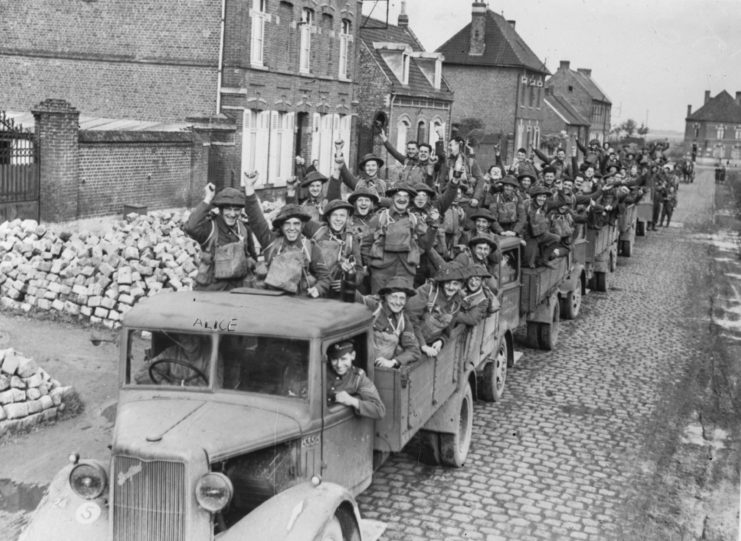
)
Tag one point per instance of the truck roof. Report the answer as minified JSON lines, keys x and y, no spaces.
{"x":247,"y":311}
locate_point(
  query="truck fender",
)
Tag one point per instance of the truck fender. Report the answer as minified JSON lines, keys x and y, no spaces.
{"x":544,"y":312}
{"x":62,"y":515}
{"x":572,"y":280}
{"x":299,"y":513}
{"x":445,"y":418}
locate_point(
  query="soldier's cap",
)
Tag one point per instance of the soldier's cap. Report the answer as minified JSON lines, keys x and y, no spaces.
{"x":364,"y":192}
{"x":401,"y":187}
{"x":290,"y":211}
{"x":335,"y":351}
{"x":509,"y":179}
{"x":450,"y":271}
{"x":397,"y":284}
{"x":477,"y":270}
{"x":482,"y":213}
{"x":549,"y":169}
{"x":594,"y":142}
{"x":480,"y":239}
{"x":539,"y":190}
{"x":368,"y":157}
{"x":314,"y":176}
{"x":422,"y":187}
{"x":336,"y":204}
{"x":526,"y":175}
{"x":229,"y":197}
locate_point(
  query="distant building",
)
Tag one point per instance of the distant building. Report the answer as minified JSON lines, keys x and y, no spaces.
{"x":582,"y":92}
{"x":497,"y":79}
{"x":401,"y":85}
{"x":715,"y":128}
{"x":563,"y":125}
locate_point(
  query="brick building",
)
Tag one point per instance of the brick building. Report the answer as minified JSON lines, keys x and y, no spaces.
{"x":582,"y":92}
{"x":715,"y":128}
{"x":281,"y":70}
{"x":497,"y":79}
{"x":402,"y":85}
{"x":563,"y":125}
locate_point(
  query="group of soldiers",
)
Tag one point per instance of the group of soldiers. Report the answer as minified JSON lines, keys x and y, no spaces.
{"x":419,"y":245}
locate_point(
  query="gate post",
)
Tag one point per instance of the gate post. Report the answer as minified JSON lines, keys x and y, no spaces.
{"x":57,"y":137}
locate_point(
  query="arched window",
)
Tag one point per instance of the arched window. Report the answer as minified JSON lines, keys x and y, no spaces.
{"x":421,"y":131}
{"x":402,"y":132}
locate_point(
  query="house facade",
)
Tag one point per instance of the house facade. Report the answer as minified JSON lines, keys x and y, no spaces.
{"x":282,"y":70}
{"x":401,"y":86}
{"x":563,"y":126}
{"x":497,"y":79}
{"x":584,"y":94}
{"x":714,"y":130}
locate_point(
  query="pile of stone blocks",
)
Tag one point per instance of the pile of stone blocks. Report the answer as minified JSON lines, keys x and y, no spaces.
{"x":28,"y":394}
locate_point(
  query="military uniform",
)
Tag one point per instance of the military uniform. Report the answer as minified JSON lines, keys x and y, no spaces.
{"x":358,"y":385}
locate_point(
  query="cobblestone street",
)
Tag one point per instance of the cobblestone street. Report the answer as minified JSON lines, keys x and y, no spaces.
{"x":575,"y":447}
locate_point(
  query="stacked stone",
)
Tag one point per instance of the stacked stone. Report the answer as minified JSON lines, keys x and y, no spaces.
{"x":28,"y":394}
{"x":95,"y":277}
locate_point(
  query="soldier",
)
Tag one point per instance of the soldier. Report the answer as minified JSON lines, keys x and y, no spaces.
{"x":314,"y":203}
{"x":371,"y":167}
{"x":477,"y":300}
{"x":394,"y":341}
{"x":508,"y":210}
{"x":482,"y":250}
{"x":537,"y":235}
{"x":228,"y":253}
{"x":414,"y":169}
{"x":348,"y":384}
{"x":668,"y":204}
{"x":293,"y":263}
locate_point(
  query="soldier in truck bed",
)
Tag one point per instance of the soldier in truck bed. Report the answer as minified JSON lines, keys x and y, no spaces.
{"x":349,"y":385}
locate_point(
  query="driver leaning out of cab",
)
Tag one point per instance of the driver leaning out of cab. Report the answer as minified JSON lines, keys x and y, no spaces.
{"x":184,"y":363}
{"x":349,"y":385}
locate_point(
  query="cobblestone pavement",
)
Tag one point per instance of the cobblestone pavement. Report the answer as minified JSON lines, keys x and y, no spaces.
{"x":574,"y":449}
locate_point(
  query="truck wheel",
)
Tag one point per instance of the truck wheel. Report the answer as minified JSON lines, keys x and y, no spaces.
{"x":600,"y":281}
{"x":429,"y":443}
{"x":495,"y":375}
{"x":454,"y":447}
{"x":532,"y":334}
{"x":571,"y":303}
{"x":612,"y":262}
{"x":548,"y":332}
{"x":341,"y":527}
{"x":627,"y":249}
{"x":640,"y":228}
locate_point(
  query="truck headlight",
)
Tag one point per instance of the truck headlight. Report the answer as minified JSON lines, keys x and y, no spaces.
{"x":88,"y":480}
{"x":213,"y":491}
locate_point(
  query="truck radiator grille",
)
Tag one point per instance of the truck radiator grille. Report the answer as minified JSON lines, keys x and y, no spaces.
{"x":148,"y":500}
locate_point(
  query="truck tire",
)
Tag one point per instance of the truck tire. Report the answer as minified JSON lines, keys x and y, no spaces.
{"x":548,"y":332}
{"x":341,"y":527}
{"x":600,"y":281}
{"x":454,"y":447}
{"x":429,"y":447}
{"x":612,"y":262}
{"x":532,"y":334}
{"x":495,"y":374}
{"x":571,"y":303}
{"x":640,"y":228}
{"x":627,"y":248}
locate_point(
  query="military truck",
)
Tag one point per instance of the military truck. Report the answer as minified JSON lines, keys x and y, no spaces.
{"x":225,"y":430}
{"x":644,"y":214}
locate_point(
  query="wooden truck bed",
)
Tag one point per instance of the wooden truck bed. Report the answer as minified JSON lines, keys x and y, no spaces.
{"x":599,"y":241}
{"x":626,"y":220}
{"x":413,"y":393}
{"x":645,"y":209}
{"x":540,"y":282}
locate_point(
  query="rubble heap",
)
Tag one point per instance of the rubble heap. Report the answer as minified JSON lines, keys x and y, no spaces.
{"x":95,"y":277}
{"x":28,"y":394}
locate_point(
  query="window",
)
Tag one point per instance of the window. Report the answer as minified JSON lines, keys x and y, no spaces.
{"x":307,"y":22}
{"x":402,"y":132}
{"x":326,"y":129}
{"x":532,"y":95}
{"x":508,"y":268}
{"x":421,"y":131}
{"x":345,"y":33}
{"x":405,"y":60}
{"x":720,"y":131}
{"x":738,"y":132}
{"x":267,"y":145}
{"x":437,"y":126}
{"x":257,"y":42}
{"x":697,"y":130}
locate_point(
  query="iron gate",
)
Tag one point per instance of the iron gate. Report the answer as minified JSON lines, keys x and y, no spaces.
{"x":19,"y":172}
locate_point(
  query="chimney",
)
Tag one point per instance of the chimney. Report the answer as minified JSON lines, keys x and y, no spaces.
{"x":738,"y":97}
{"x":478,"y":27}
{"x":403,"y":21}
{"x":512,"y":23}
{"x":707,"y":96}
{"x":689,"y":110}
{"x":564,"y":65}
{"x":585,"y":71}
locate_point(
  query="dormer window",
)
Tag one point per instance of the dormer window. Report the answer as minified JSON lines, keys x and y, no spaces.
{"x":437,"y":82}
{"x":405,"y":61}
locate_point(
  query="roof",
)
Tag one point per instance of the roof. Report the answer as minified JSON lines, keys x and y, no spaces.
{"x":504,"y":47}
{"x":26,"y":120}
{"x":247,"y":311}
{"x":594,"y":91}
{"x":721,"y":108}
{"x":565,"y":110}
{"x":379,"y":31}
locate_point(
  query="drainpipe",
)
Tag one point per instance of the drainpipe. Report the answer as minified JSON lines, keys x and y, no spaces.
{"x":221,"y":58}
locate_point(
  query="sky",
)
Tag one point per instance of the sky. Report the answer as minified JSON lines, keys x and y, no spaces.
{"x":651,"y":57}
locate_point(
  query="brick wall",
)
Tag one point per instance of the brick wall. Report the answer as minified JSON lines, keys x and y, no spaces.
{"x":134,"y":59}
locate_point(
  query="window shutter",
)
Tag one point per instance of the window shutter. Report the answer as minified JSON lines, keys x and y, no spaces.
{"x":262,"y":135}
{"x":315,"y":136}
{"x":286,"y":157}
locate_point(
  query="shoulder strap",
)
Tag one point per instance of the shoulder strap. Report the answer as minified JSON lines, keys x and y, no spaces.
{"x":306,"y":246}
{"x":212,"y":238}
{"x":433,"y":298}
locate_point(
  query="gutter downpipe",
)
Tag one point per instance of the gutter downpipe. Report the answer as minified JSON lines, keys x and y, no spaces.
{"x":219,"y":73}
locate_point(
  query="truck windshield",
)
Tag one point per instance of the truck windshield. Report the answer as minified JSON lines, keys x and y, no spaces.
{"x":260,"y":364}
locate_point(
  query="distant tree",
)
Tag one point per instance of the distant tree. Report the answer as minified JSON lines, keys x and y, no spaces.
{"x":629,"y":127}
{"x":471,"y":129}
{"x":643,"y":130}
